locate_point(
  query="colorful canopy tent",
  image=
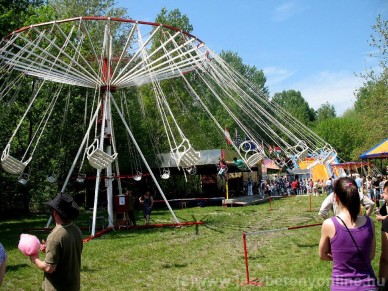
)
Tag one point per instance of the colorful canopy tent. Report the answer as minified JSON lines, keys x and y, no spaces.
{"x":379,"y":151}
{"x":350,"y":165}
{"x":351,"y":168}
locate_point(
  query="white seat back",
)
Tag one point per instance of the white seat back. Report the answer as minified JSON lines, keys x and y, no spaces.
{"x":166,"y":174}
{"x":184,"y":155}
{"x":11,"y":164}
{"x":99,"y":159}
{"x":253,"y":153}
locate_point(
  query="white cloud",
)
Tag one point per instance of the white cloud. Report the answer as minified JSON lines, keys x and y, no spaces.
{"x":286,"y":10}
{"x":336,"y":88}
{"x":276,"y":75}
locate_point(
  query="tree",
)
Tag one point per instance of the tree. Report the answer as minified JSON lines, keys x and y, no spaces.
{"x":371,"y":108}
{"x":73,"y":8}
{"x":343,"y":134}
{"x":372,"y":98}
{"x":326,"y":111}
{"x":251,"y":73}
{"x":175,"y":19}
{"x":13,"y":14}
{"x":293,"y":102}
{"x":379,"y":41}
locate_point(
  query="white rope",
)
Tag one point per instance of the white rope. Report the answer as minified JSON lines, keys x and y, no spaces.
{"x":43,"y":123}
{"x":139,"y":51}
{"x":144,"y":160}
{"x":25,"y":113}
{"x":163,"y":106}
{"x":125,"y":48}
{"x":125,"y":112}
{"x":158,"y":65}
{"x":248,"y":102}
{"x":8,"y":84}
{"x":81,"y":147}
{"x":90,"y":121}
{"x":291,"y":121}
{"x":245,"y":129}
{"x":191,"y":89}
{"x":50,"y":70}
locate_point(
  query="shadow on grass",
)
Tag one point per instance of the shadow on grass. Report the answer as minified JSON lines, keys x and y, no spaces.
{"x":304,"y":245}
{"x":17,"y":267}
{"x":174,"y":265}
{"x":89,"y":270}
{"x":255,"y":257}
{"x":207,"y":225}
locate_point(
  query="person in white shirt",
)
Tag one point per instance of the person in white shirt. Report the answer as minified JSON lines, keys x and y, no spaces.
{"x":330,"y":204}
{"x":329,"y":186}
{"x":359,"y":181}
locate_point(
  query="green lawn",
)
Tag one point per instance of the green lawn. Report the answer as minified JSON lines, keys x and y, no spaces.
{"x":201,"y":257}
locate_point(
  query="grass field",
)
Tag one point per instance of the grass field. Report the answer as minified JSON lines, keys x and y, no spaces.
{"x":201,"y":257}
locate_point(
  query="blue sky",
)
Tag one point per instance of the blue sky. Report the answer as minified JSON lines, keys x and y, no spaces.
{"x":313,"y":46}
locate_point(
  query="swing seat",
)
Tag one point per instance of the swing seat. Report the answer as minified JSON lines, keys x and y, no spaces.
{"x":52,"y":178}
{"x":254,"y":153}
{"x":81,"y":178}
{"x":192,"y":170}
{"x":138,"y":176}
{"x":254,"y":159}
{"x":166,"y":174}
{"x":331,"y":159}
{"x":11,"y":164}
{"x":328,"y":156}
{"x":299,"y":152}
{"x":99,"y":159}
{"x":23,"y":179}
{"x":302,"y":155}
{"x":184,"y":155}
{"x":280,"y":163}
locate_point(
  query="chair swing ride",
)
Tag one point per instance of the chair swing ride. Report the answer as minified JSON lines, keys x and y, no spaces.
{"x":111,"y":55}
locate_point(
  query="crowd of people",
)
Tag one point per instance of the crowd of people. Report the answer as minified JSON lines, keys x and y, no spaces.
{"x":282,"y":185}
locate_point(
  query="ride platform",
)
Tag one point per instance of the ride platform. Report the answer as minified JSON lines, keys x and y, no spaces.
{"x":248,"y":200}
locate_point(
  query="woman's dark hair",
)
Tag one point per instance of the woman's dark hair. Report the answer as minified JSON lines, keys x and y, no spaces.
{"x":346,"y":190}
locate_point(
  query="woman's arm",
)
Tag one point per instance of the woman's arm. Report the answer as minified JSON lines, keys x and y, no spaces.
{"x":383,"y":268}
{"x":373,"y":247}
{"x":152,"y":201}
{"x":324,"y":244}
{"x":2,"y":270}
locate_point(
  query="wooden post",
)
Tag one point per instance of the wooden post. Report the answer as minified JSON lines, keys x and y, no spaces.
{"x":226,"y":186}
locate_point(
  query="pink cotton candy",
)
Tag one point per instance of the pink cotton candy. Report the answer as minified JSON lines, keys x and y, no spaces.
{"x":29,"y":244}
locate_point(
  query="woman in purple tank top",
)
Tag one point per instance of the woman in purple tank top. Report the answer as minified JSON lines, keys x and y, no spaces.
{"x":349,"y":241}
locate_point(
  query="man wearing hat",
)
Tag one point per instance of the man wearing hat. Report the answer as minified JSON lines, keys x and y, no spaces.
{"x":63,"y":247}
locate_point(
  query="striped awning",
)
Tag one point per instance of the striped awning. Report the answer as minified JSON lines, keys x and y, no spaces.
{"x":379,"y":151}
